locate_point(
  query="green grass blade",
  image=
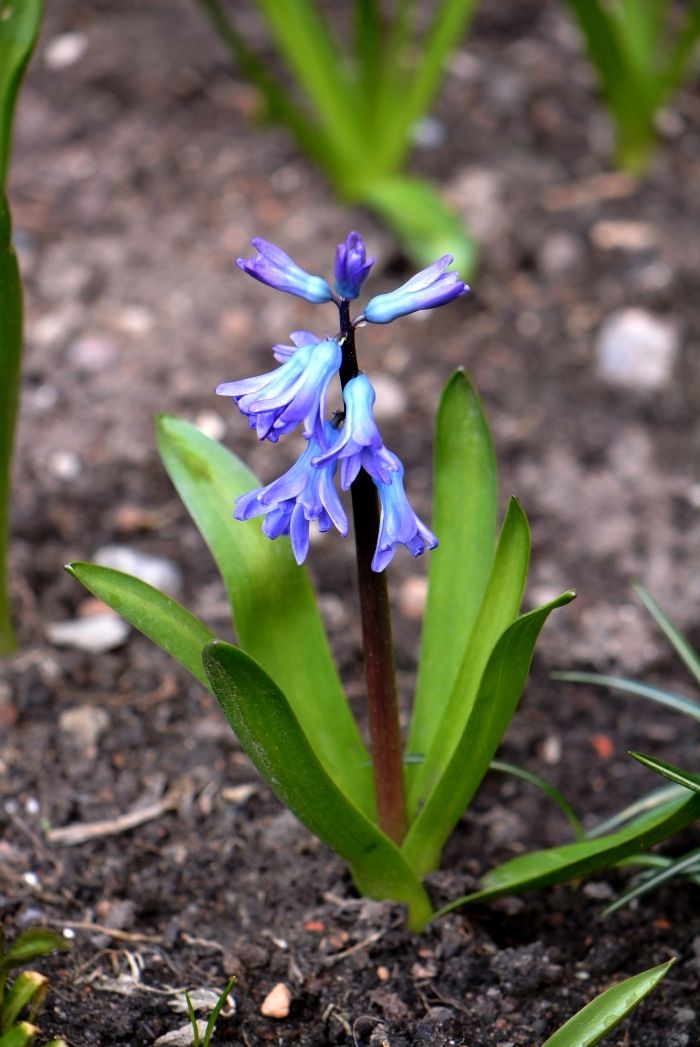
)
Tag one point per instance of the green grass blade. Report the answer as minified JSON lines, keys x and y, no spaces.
{"x":678,"y":641}
{"x":276,"y":618}
{"x":425,"y":224}
{"x":498,"y":609}
{"x":549,"y":790}
{"x":498,"y":695}
{"x":309,"y":48}
{"x":20,"y":21}
{"x":162,"y":619}
{"x":644,"y":690}
{"x":274,"y":740}
{"x":603,"y":1015}
{"x":674,"y":774}
{"x":193,"y":1020}
{"x":464,"y":518}
{"x":651,"y":802}
{"x":10,"y":371}
{"x":675,"y":868}
{"x":685,"y":45}
{"x":216,"y":1011}
{"x":368,"y":51}
{"x":575,"y":860}
{"x":279,"y":104}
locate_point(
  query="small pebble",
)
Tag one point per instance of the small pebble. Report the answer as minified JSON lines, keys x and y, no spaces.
{"x":560,"y":253}
{"x":211,"y":424}
{"x":96,"y":634}
{"x":92,"y":353}
{"x":625,"y":236}
{"x":64,"y":465}
{"x":277,"y":1002}
{"x":155,"y":570}
{"x":65,"y":50}
{"x":391,"y":399}
{"x":181,"y":1037}
{"x":637,"y":350}
{"x":429,"y":133}
{"x":413,"y":596}
{"x":83,"y":726}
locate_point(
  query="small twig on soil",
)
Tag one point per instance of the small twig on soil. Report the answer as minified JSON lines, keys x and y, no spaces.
{"x":328,"y":961}
{"x":70,"y":835}
{"x":204,"y":943}
{"x":110,"y":932}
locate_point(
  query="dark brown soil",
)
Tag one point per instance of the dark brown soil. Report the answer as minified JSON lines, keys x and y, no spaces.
{"x":138,"y":176}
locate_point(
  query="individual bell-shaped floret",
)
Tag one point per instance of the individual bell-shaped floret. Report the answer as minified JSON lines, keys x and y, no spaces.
{"x":428,"y":289}
{"x":294,"y":393}
{"x":359,"y":444}
{"x":398,"y":524}
{"x":351,"y":266}
{"x":273,"y":267}
{"x":304,"y":493}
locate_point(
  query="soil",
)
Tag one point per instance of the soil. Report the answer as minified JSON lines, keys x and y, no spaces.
{"x":139,"y":174}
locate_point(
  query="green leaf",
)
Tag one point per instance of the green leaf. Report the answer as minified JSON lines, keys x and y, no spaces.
{"x":498,"y":609}
{"x":275,"y":614}
{"x":673,"y":869}
{"x":679,"y":642}
{"x":651,"y":802}
{"x":10,"y":368}
{"x":549,"y":791}
{"x":575,"y":860}
{"x":617,"y":683}
{"x":193,"y":1020}
{"x":675,"y":774}
{"x":162,"y":619}
{"x":31,"y":945}
{"x":22,"y":1035}
{"x":19,"y":27}
{"x":26,"y":992}
{"x":426,"y":226}
{"x":464,"y":518}
{"x":603,"y":1015}
{"x":216,"y":1010}
{"x":274,"y":740}
{"x":306,"y":43}
{"x":496,"y":701}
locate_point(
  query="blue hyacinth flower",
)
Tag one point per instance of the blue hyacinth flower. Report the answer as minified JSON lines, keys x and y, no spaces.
{"x":351,"y":266}
{"x":428,"y":289}
{"x":273,"y":267}
{"x":359,"y":444}
{"x":293,"y":394}
{"x":303,"y":494}
{"x":398,"y":524}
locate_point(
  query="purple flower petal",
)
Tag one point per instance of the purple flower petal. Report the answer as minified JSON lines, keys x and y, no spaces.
{"x":398,"y":523}
{"x":359,"y":444}
{"x":273,"y":267}
{"x":351,"y":266}
{"x":428,"y":289}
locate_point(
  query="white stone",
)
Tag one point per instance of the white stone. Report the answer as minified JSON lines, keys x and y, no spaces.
{"x":181,"y":1037}
{"x":84,"y":725}
{"x":636,"y":350}
{"x":65,"y":50}
{"x":155,"y":570}
{"x":64,"y":465}
{"x":211,"y":424}
{"x":391,"y":399}
{"x":96,"y":634}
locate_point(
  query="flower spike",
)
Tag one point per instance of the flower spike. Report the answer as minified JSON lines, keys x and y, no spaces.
{"x":359,"y":444}
{"x":294,"y":393}
{"x":273,"y":267}
{"x":398,"y":523}
{"x":428,"y":289}
{"x":351,"y":266}
{"x":303,"y":494}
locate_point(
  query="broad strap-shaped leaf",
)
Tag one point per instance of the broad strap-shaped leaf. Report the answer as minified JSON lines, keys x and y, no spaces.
{"x":496,"y":701}
{"x":10,"y":367}
{"x":602,"y":1015}
{"x":274,"y":740}
{"x":426,"y":225}
{"x":22,"y":1035}
{"x":575,"y":860}
{"x":464,"y":518}
{"x":162,"y":619}
{"x":19,"y":27}
{"x":674,"y":774}
{"x":275,"y":615}
{"x":31,"y":945}
{"x":498,"y":609}
{"x":680,"y":644}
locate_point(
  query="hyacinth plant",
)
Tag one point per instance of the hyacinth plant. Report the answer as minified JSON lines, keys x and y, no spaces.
{"x":389,"y":810}
{"x":21,"y":999}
